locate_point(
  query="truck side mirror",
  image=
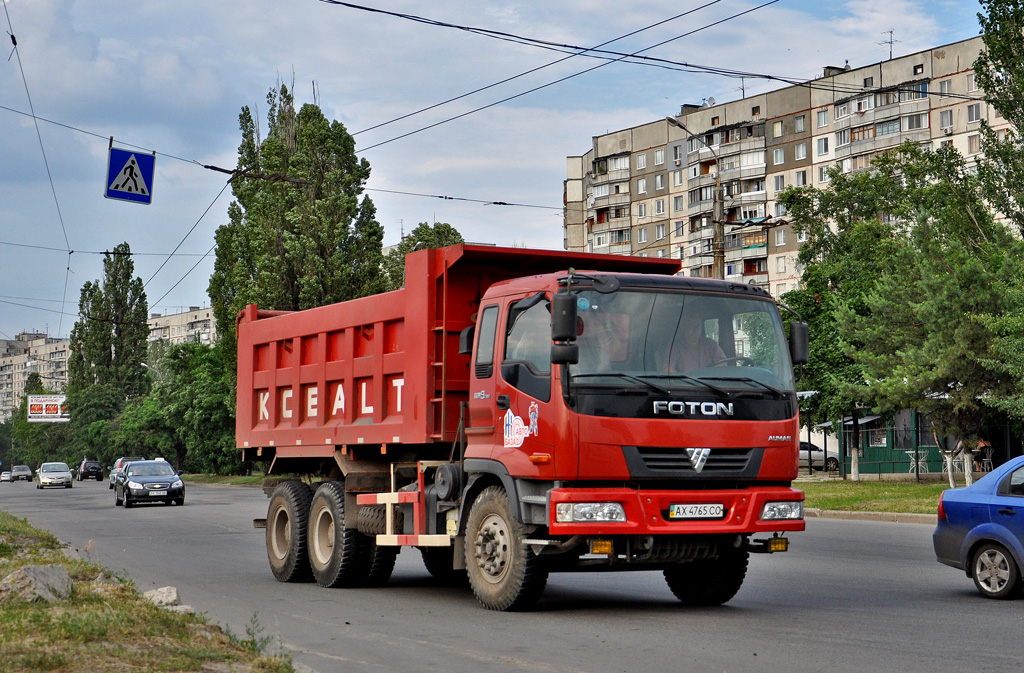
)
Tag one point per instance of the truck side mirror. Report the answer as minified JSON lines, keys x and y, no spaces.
{"x":466,"y":340}
{"x":799,"y":348}
{"x":563,"y":317}
{"x":565,"y":354}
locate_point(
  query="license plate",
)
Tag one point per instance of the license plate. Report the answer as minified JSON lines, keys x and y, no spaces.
{"x":158,"y":492}
{"x":701,"y":511}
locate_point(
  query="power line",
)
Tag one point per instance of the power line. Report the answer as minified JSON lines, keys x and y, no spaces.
{"x":496,"y":34}
{"x":460,"y":198}
{"x":568,"y":77}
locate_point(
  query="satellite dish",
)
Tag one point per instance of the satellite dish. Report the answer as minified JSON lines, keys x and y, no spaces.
{"x":711,"y":101}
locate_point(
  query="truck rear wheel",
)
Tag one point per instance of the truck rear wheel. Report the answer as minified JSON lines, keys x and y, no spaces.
{"x":709,"y":581}
{"x":286,"y":531}
{"x":503,"y":572}
{"x":337,"y":555}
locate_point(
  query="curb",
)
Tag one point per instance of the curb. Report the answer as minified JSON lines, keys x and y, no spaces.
{"x":890,"y":517}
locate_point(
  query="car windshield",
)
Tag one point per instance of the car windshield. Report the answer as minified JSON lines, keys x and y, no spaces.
{"x":53,"y":467}
{"x":150,"y":470}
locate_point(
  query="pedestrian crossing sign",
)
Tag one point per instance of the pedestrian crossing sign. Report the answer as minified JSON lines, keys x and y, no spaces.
{"x":130,"y":175}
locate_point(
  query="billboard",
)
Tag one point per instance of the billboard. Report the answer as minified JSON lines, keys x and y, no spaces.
{"x":48,"y":409}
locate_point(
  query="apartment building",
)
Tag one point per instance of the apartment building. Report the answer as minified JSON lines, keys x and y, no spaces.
{"x":701,"y":186}
{"x":195,"y":324}
{"x":28,"y":353}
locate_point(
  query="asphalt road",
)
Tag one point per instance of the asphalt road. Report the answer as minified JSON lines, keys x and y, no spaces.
{"x":849,"y":596}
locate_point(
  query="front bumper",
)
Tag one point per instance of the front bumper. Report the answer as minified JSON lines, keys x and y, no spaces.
{"x":54,"y":481}
{"x":647,"y":511}
{"x":155,"y":492}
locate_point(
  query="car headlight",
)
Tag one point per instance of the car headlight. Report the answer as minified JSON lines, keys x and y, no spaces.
{"x":177,"y":484}
{"x":133,"y":484}
{"x":784,"y":509}
{"x":569,"y":512}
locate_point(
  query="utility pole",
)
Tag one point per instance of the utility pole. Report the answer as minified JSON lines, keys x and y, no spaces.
{"x":717,"y":208}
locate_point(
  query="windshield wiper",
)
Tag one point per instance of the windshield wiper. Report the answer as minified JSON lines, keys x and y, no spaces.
{"x":628,"y":377}
{"x":746,"y":379}
{"x":723,"y":393}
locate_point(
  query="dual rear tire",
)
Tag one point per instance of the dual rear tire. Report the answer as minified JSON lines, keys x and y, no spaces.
{"x":307,"y":539}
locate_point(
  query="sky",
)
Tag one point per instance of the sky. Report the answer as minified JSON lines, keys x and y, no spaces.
{"x":172,"y":77}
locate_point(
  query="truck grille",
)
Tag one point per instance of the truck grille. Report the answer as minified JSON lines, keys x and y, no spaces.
{"x":660,"y":462}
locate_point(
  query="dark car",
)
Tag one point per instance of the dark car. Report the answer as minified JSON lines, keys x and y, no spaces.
{"x":118,"y":464}
{"x":148,"y":481}
{"x":981,"y":530}
{"x":21,"y":472}
{"x":90,"y":469}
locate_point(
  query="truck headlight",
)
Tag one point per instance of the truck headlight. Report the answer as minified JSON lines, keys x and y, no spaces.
{"x":783,"y":509}
{"x":570,"y":512}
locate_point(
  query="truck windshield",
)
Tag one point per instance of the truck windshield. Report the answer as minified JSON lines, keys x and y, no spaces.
{"x":681,"y":339}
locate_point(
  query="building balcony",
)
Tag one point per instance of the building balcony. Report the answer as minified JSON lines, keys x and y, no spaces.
{"x":611,"y":176}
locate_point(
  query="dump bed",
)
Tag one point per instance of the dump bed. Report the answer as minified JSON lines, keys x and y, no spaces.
{"x":384,"y":369}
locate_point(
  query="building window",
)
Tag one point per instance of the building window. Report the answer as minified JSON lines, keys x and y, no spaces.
{"x":946,"y":119}
{"x":641,"y":186}
{"x":890,"y":97}
{"x":659,"y":181}
{"x":822,"y":118}
{"x":946,"y":87}
{"x":915,"y":122}
{"x":822,"y":146}
{"x":779,"y":156}
{"x":823,"y":174}
{"x":842,"y":137}
{"x":862,"y":133}
{"x":972,"y":83}
{"x":973,"y":143}
{"x":919,"y":69}
{"x":641,"y":210}
{"x":677,"y":178}
{"x":780,"y":264}
{"x":887,"y":127}
{"x":780,"y":210}
{"x":916,"y":91}
{"x":677,"y":203}
{"x":802,"y":237}
{"x":780,"y":182}
{"x":798,"y":123}
{"x":869,"y":82}
{"x":714,"y":121}
{"x":800,"y":151}
{"x":801,"y":178}
{"x":780,"y":289}
{"x":973,"y":112}
{"x":946,"y":143}
{"x":619,"y":236}
{"x":780,"y":237}
{"x":642,"y":235}
{"x":659,"y":157}
{"x":641,"y":161}
{"x":679,"y":229}
{"x":659,"y":231}
{"x":842,"y":110}
{"x":756,"y":110}
{"x":777,"y":129}
{"x":659,"y":207}
{"x":661,"y":253}
{"x":677,"y":153}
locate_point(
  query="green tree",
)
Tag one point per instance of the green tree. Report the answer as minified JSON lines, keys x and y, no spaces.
{"x":424,"y":235}
{"x":300,"y":232}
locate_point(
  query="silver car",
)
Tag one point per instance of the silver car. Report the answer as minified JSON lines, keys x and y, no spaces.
{"x":53,"y":474}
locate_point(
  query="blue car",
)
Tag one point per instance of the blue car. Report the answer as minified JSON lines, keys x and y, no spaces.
{"x":981,"y":530}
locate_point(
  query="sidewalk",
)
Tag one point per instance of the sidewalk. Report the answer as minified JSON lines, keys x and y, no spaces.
{"x":894,"y":517}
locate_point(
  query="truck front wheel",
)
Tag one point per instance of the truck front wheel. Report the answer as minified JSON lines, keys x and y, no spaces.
{"x":503,"y":572}
{"x":337,"y":555}
{"x":709,"y":581}
{"x":286,"y":531}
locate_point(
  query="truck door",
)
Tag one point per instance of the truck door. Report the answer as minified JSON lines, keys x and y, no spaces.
{"x":483,"y":411}
{"x":525,"y":429}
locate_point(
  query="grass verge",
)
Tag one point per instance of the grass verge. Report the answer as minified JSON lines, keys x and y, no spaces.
{"x":107,"y":626}
{"x":873,"y":496}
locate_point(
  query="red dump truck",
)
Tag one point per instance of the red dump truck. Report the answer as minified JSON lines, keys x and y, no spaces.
{"x":513,"y":413}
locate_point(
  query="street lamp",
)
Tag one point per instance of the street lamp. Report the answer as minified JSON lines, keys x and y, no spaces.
{"x":717,"y":216}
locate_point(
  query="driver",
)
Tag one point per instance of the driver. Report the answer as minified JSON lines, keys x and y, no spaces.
{"x":691,"y":349}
